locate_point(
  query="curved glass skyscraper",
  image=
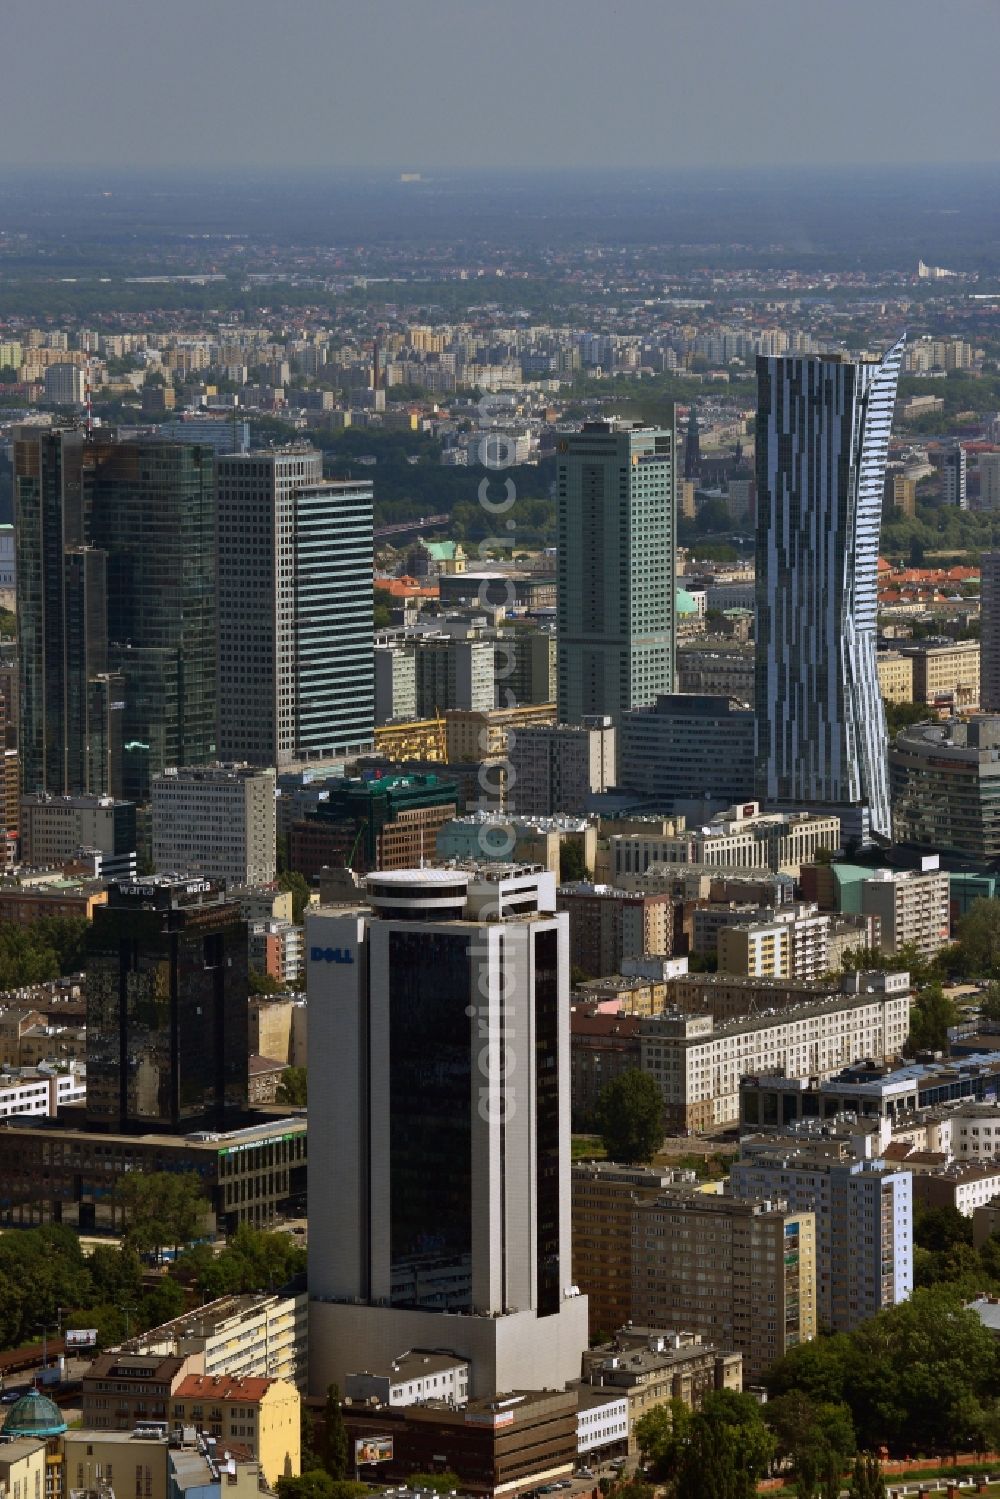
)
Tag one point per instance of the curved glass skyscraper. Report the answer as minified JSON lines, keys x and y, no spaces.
{"x":823,"y":428}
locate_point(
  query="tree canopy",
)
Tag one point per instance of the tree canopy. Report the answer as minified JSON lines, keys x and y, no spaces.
{"x":630,"y":1116}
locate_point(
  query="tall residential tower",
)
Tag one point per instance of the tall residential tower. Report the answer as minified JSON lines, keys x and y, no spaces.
{"x":822,"y":440}
{"x":617,"y":535}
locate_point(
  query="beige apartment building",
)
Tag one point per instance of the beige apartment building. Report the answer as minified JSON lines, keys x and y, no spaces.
{"x":604,"y":1196}
{"x":261,"y":1336}
{"x":472,"y":735}
{"x":742,"y":1274}
{"x":895,"y":676}
{"x":698,"y":1064}
{"x":912,"y":907}
{"x":651,"y":1367}
{"x":607,"y":926}
{"x":792,"y":943}
{"x":945,"y":672}
{"x":217,"y":821}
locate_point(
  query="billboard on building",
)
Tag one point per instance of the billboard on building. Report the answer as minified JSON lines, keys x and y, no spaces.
{"x":372,"y":1450}
{"x":81,"y":1337}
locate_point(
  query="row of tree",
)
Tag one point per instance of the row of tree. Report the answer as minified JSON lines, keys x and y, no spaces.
{"x":41,"y":950}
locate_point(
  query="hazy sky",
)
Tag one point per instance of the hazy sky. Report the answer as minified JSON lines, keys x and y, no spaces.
{"x":462,"y":83}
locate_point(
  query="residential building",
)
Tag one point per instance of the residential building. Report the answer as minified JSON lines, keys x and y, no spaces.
{"x":376,"y":822}
{"x":688,"y":746}
{"x":150,"y":509}
{"x":526,"y":666}
{"x":604,"y":1195}
{"x":54,"y":1172}
{"x":945,"y":673}
{"x":698,"y":1064}
{"x":912,"y":908}
{"x":263,"y":1415}
{"x":822,"y":440}
{"x":32,"y":1091}
{"x":964,"y":1186}
{"x":953,"y":477}
{"x":602,"y":1047}
{"x":166,"y":1007}
{"x":65,"y":385}
{"x":895,"y":676}
{"x":989,"y":613}
{"x":261,"y":1335}
{"x":648,"y":1367}
{"x":408,"y":1195}
{"x":295,"y":608}
{"x":560,"y":767}
{"x":395,"y":683}
{"x":276,"y":948}
{"x":606,"y":926}
{"x":904,"y":495}
{"x":740,"y":1273}
{"x":863,"y":1211}
{"x":453,"y":673}
{"x":989,"y":481}
{"x":54,"y":829}
{"x":217,"y":821}
{"x":617,"y":538}
{"x":741,"y":837}
{"x":24,"y":1464}
{"x":946,"y":787}
{"x":125,"y":1389}
{"x":790,"y":942}
{"x":714,"y":667}
{"x":70,"y":733}
{"x":475,"y":737}
{"x":25,"y":899}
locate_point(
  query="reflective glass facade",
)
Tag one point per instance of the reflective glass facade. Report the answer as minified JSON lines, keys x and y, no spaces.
{"x":430,"y":1128}
{"x":166,"y":1013}
{"x":547,"y":1160}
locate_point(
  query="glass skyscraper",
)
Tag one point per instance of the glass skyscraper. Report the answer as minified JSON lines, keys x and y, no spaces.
{"x":151,"y":509}
{"x":823,"y":427}
{"x":617,"y":540}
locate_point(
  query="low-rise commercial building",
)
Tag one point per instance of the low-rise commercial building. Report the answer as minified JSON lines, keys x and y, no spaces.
{"x":383,"y":822}
{"x":492,"y":836}
{"x":27,"y":1090}
{"x":411,"y":1377}
{"x":54,"y":1172}
{"x":54,"y":830}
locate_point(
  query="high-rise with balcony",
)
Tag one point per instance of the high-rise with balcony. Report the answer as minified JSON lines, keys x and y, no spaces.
{"x":823,"y":427}
{"x":617,"y":536}
{"x":296,"y":666}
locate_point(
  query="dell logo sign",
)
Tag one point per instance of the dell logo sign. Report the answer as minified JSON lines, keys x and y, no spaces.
{"x":331,"y":955}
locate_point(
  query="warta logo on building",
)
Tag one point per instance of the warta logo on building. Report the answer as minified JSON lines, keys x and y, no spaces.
{"x":331,"y":955}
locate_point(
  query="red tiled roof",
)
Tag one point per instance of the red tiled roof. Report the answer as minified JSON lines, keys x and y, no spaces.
{"x":247,"y":1391}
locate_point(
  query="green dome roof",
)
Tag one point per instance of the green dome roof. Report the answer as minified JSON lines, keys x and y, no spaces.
{"x":685,"y":603}
{"x":34,"y":1415}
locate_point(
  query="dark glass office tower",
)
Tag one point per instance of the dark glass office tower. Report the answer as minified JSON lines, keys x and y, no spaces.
{"x":166,"y":1007}
{"x":67,"y":702}
{"x":151,"y":508}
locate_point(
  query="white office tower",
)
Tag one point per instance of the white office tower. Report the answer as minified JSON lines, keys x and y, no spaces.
{"x":823,"y":428}
{"x":439,"y":1129}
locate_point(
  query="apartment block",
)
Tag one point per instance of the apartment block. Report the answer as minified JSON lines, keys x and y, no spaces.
{"x":792,"y":942}
{"x":217,"y":821}
{"x":946,"y":781}
{"x":559,"y":768}
{"x":453,"y":673}
{"x":603,"y":1202}
{"x":863,"y":1211}
{"x":895,"y":676}
{"x":911,"y":907}
{"x":698,"y":1065}
{"x":601,"y":1048}
{"x":54,"y":830}
{"x":740,"y":1273}
{"x":608,"y":926}
{"x":651,"y":1367}
{"x":260,"y":1336}
{"x":688,"y":746}
{"x":261,"y":1414}
{"x":945,"y":672}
